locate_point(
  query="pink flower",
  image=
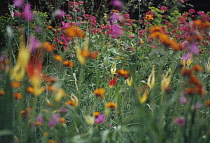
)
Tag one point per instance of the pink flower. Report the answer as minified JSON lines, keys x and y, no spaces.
{"x":100,"y":119}
{"x":187,"y":56}
{"x":164,"y":8}
{"x":18,"y":3}
{"x":40,"y":119}
{"x":33,"y":43}
{"x":55,"y":119}
{"x":116,"y":31}
{"x":180,"y":121}
{"x":191,"y":11}
{"x":27,"y":13}
{"x":194,"y":48}
{"x":59,"y":13}
{"x":117,"y":3}
{"x":182,"y":100}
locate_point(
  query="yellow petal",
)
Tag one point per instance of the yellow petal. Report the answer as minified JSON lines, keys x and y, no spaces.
{"x":113,"y":68}
{"x":129,"y":81}
{"x":59,"y":94}
{"x":151,"y":79}
{"x":144,"y":97}
{"x":166,"y":80}
{"x":74,"y":99}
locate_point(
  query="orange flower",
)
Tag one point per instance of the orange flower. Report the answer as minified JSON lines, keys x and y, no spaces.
{"x":207,"y":103}
{"x":123,"y":73}
{"x":50,"y":27}
{"x":48,"y":79}
{"x":70,"y":102}
{"x":68,"y":63}
{"x":111,"y":105}
{"x":96,"y":114}
{"x":30,"y":89}
{"x":93,"y":55}
{"x":74,"y":31}
{"x":186,"y":72}
{"x":197,"y":68}
{"x":38,"y":123}
{"x":155,"y":29}
{"x":52,"y":141}
{"x":2,"y":92}
{"x":62,"y":120}
{"x":189,"y":91}
{"x":58,"y":58}
{"x":18,"y":95}
{"x":51,"y":88}
{"x":85,"y":53}
{"x":197,"y":22}
{"x":99,"y":92}
{"x":15,"y":84}
{"x":194,"y":80}
{"x":48,"y":46}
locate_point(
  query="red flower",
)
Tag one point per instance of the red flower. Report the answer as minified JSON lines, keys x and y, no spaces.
{"x":112,"y":82}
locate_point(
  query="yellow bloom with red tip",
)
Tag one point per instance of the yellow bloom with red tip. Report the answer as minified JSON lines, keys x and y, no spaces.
{"x":151,"y":79}
{"x":18,"y":72}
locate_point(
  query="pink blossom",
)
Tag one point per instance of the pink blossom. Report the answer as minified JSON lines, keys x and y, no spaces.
{"x":116,"y":30}
{"x":191,"y":11}
{"x":187,"y":56}
{"x":182,"y":100}
{"x":100,"y":119}
{"x":59,"y":13}
{"x":193,"y":48}
{"x":40,"y":119}
{"x":27,"y":13}
{"x":18,"y":3}
{"x":55,"y":119}
{"x":164,"y":8}
{"x":33,"y":43}
{"x":180,"y":121}
{"x":117,"y":3}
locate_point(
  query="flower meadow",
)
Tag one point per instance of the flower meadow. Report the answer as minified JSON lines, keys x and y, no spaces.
{"x":72,"y":77}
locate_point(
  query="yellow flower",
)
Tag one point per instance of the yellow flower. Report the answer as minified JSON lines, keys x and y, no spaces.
{"x":89,"y":120}
{"x":129,"y":81}
{"x":18,"y":72}
{"x":208,"y":66}
{"x":113,"y":68}
{"x":166,"y":79}
{"x":151,"y":79}
{"x":74,"y":101}
{"x":59,"y":94}
{"x":144,"y":97}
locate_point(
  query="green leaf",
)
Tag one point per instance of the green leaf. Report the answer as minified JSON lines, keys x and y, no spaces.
{"x":5,"y":132}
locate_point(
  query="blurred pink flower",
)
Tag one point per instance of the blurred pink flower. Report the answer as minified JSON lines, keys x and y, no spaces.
{"x":59,"y":13}
{"x":117,"y":3}
{"x":27,"y":13}
{"x":193,"y":48}
{"x":180,"y":121}
{"x":40,"y":119}
{"x":191,"y":11}
{"x":116,"y":31}
{"x":164,"y":8}
{"x":55,"y":119}
{"x":18,"y":3}
{"x":187,"y":56}
{"x":33,"y":43}
{"x":182,"y":100}
{"x":100,"y":119}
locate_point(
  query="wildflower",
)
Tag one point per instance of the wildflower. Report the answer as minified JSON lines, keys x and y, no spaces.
{"x":100,"y":119}
{"x":27,"y":13}
{"x":182,"y":100}
{"x":34,"y":70}
{"x":18,"y":3}
{"x":62,"y":120}
{"x":68,"y":63}
{"x":15,"y":84}
{"x":187,"y":59}
{"x":180,"y":121}
{"x":197,"y":68}
{"x":18,"y":72}
{"x":129,"y":81}
{"x":116,"y":30}
{"x":40,"y":119}
{"x":51,"y":88}
{"x":193,"y":48}
{"x":33,"y":43}
{"x":52,"y":141}
{"x":151,"y":79}
{"x":48,"y":79}
{"x":96,"y":114}
{"x":63,"y":110}
{"x":191,"y":11}
{"x":90,"y":120}
{"x":48,"y":47}
{"x":111,"y":105}
{"x":99,"y":92}
{"x":197,"y":105}
{"x":148,"y":17}
{"x":123,"y":73}
{"x":59,"y":13}
{"x":74,"y":31}
{"x":166,"y":79}
{"x":117,"y":3}
{"x":144,"y":97}
{"x":207,"y":103}
{"x":2,"y":92}
{"x":197,"y":22}
{"x":58,"y":58}
{"x":208,"y":65}
{"x":189,"y":91}
{"x":186,"y":72}
{"x":163,"y":8}
{"x":49,"y":103}
{"x":18,"y":95}
{"x":55,"y":119}
{"x":59,"y":94}
{"x":113,"y":68}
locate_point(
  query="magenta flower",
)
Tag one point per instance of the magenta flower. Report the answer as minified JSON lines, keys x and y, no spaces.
{"x":27,"y":13}
{"x":18,"y":3}
{"x":40,"y":119}
{"x":182,"y":100}
{"x":116,"y":31}
{"x":63,"y":110}
{"x":187,"y":56}
{"x":55,"y":119}
{"x":180,"y":121}
{"x":59,"y":13}
{"x":193,"y":48}
{"x":117,"y":3}
{"x":164,"y":8}
{"x":191,"y":11}
{"x":33,"y":43}
{"x":100,"y":119}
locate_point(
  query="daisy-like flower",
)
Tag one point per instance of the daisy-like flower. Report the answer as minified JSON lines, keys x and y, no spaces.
{"x":99,"y":92}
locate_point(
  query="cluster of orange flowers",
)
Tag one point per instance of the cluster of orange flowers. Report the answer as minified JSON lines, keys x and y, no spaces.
{"x":195,"y":84}
{"x":201,"y":24}
{"x":156,"y":32}
{"x":148,"y":17}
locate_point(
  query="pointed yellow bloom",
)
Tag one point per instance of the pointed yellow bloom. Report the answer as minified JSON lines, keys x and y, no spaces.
{"x":18,"y":72}
{"x":144,"y":97}
{"x":208,"y":66}
{"x":59,"y":94}
{"x":80,"y":57}
{"x":189,"y":61}
{"x":151,"y":79}
{"x":113,"y":68}
{"x":74,"y":99}
{"x":129,"y":81}
{"x":166,"y":80}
